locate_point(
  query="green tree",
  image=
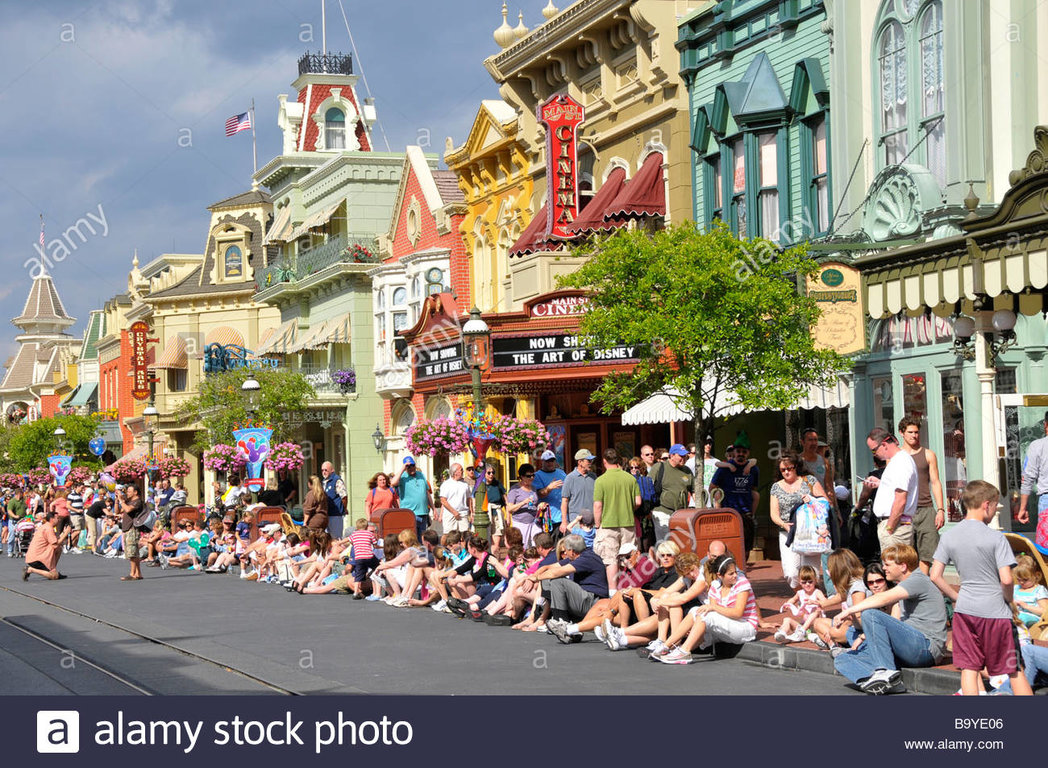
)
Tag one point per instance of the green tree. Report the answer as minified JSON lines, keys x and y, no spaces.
{"x":715,"y":320}
{"x":221,"y":404}
{"x":32,"y":442}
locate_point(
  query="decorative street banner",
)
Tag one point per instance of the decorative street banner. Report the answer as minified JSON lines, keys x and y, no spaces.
{"x":252,"y":441}
{"x":553,"y":349}
{"x":139,"y":373}
{"x":59,"y":467}
{"x":562,"y":116}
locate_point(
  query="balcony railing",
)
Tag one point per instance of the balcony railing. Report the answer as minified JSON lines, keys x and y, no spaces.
{"x":320,"y":378}
{"x":351,"y":250}
{"x":329,"y":63}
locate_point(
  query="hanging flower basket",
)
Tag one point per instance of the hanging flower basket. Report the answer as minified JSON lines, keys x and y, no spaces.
{"x":222,"y":457}
{"x":173,"y":466}
{"x":346,"y":378}
{"x":80,"y":475}
{"x":129,"y":470}
{"x":438,"y":436}
{"x":285,"y":456}
{"x":512,"y":435}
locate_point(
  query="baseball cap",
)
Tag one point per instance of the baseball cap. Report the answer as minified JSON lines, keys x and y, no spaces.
{"x":678,"y":449}
{"x":548,"y":455}
{"x":841,"y":492}
{"x":409,"y":460}
{"x":586,"y":516}
{"x":271,"y":528}
{"x":583,"y":454}
{"x":628,"y":548}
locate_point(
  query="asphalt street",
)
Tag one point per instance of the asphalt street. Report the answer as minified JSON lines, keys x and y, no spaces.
{"x":187,"y":633}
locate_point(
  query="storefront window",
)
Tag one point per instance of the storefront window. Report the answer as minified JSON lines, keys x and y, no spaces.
{"x":953,"y":463}
{"x":883,"y":409}
{"x":915,"y":401}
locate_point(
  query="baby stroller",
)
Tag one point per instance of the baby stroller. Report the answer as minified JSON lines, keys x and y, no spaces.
{"x":23,"y":534}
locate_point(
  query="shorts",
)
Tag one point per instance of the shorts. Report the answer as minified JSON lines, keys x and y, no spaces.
{"x":609,"y":540}
{"x":990,"y":643}
{"x":77,"y":521}
{"x":925,"y":534}
{"x":131,"y":544}
{"x":450,"y":522}
{"x":903,"y":534}
{"x":361,"y":567}
{"x":342,"y":584}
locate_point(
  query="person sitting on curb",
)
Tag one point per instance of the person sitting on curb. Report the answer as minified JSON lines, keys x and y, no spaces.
{"x":571,"y":599}
{"x":917,"y":639}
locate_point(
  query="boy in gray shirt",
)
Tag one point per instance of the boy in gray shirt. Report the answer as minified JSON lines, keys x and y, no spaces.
{"x":916,"y":640}
{"x":983,"y":631}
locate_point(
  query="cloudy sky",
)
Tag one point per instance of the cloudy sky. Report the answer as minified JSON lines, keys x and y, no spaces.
{"x":97,"y":100}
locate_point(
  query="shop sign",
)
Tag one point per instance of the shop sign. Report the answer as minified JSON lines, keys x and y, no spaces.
{"x":554,"y":349}
{"x":139,"y":333}
{"x":561,"y":115}
{"x":564,"y":306}
{"x":436,"y":362}
{"x":837,"y":289}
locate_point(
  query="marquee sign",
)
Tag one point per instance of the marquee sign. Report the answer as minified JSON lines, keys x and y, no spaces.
{"x":435,"y":362}
{"x":562,"y":116}
{"x":554,"y":349}
{"x":562,"y":306}
{"x":139,"y":333}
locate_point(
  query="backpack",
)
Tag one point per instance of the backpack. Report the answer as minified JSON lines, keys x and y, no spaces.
{"x":146,"y":520}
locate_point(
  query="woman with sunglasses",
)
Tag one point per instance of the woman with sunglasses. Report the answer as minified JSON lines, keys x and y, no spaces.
{"x":645,"y":525}
{"x":522,"y":502}
{"x":488,"y":502}
{"x":795,"y":487}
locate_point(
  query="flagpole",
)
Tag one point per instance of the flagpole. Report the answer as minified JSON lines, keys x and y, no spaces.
{"x":254,"y":150}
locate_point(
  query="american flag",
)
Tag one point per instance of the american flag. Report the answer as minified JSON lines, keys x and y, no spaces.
{"x":41,"y":231}
{"x":237,"y":123}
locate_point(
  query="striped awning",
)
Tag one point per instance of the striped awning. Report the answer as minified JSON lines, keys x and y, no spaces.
{"x":174,"y":355}
{"x":668,"y":406}
{"x":225,"y":336}
{"x":314,"y":221}
{"x":280,"y":340}
{"x":82,"y":396}
{"x":332,"y":331}
{"x":281,"y":228}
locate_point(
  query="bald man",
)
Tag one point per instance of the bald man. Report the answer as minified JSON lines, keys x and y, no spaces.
{"x":338,"y":503}
{"x":455,"y":499}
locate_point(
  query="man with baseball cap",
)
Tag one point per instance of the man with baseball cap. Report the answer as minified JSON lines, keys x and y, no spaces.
{"x":1035,"y":474}
{"x":673,"y":482}
{"x":549,"y":481}
{"x":414,"y":493}
{"x":576,"y":494}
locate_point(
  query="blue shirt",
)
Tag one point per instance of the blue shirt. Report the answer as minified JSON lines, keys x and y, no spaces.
{"x":335,"y":508}
{"x":590,"y":573}
{"x":414,"y":493}
{"x":737,"y":487}
{"x":542,"y":479}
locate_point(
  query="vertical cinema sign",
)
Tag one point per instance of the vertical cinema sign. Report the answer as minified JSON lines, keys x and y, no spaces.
{"x":139,"y":373}
{"x":561,"y":115}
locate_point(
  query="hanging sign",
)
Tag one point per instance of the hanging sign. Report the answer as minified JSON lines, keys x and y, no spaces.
{"x":139,"y":372}
{"x":562,"y":116}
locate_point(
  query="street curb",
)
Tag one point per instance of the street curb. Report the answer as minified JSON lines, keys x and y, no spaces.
{"x":934,"y":682}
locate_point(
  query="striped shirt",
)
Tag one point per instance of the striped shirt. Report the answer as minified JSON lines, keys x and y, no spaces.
{"x":741,"y":584}
{"x":76,"y":503}
{"x":363,"y":544}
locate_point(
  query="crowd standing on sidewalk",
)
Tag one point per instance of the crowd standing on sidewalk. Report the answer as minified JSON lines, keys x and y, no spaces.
{"x":566,"y":553}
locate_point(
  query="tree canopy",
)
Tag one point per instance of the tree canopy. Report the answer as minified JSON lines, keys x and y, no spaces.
{"x":30,"y":443}
{"x":221,"y":404}
{"x":718,"y":321}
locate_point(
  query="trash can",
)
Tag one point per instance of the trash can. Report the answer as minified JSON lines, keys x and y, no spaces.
{"x":694,"y":529}
{"x":390,"y":522}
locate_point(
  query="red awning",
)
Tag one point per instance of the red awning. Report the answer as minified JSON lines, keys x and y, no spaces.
{"x":592,"y":217}
{"x":643,"y":195}
{"x":534,"y":237}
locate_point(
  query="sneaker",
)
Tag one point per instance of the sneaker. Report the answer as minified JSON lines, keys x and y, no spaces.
{"x":499,"y":620}
{"x":373,"y":598}
{"x":837,"y":650}
{"x":818,"y":641}
{"x":796,"y":637}
{"x":560,"y":631}
{"x":676,"y":656}
{"x":617,"y":640}
{"x":607,"y":629}
{"x":656,"y":646}
{"x":458,"y":607}
{"x":439,"y":606}
{"x":780,"y":636}
{"x":658,"y":653}
{"x":883,"y":681}
{"x":400,"y":602}
{"x":600,"y":633}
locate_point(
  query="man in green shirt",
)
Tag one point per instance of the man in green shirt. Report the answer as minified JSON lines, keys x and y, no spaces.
{"x":615,"y":496}
{"x":16,"y":510}
{"x":675,"y":481}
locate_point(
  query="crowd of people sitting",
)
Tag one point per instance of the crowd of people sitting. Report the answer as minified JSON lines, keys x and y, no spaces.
{"x":601,"y":566}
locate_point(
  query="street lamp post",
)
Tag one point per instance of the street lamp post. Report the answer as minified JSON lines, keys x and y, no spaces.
{"x":252,"y":391}
{"x":149,"y":416}
{"x":476,"y":336}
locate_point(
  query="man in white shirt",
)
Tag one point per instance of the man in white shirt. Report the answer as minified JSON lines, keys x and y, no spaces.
{"x":896,"y":500}
{"x":455,"y":500}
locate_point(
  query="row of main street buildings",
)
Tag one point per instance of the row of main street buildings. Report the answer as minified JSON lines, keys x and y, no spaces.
{"x":900,"y":138}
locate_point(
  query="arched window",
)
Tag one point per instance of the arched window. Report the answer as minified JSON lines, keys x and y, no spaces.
{"x":400,"y":297}
{"x":335,"y":129}
{"x":894,"y":137}
{"x":403,"y":420}
{"x":234,"y":262}
{"x":911,"y":85}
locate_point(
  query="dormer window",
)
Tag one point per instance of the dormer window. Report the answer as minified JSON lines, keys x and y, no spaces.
{"x":334,"y":129}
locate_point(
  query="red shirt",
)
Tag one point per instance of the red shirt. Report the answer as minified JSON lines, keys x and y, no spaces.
{"x":61,"y":506}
